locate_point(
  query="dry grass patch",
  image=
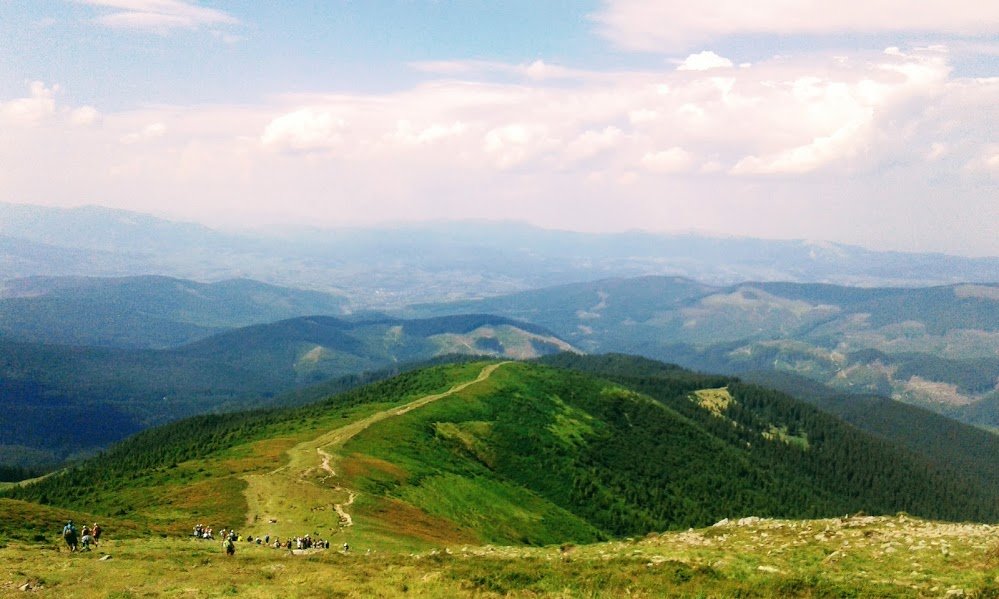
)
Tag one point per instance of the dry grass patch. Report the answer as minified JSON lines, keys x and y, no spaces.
{"x":715,"y":401}
{"x":396,"y":518}
{"x":360,"y":465}
{"x":269,"y":453}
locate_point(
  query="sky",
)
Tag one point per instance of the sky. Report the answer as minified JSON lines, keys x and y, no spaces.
{"x":869,"y":122}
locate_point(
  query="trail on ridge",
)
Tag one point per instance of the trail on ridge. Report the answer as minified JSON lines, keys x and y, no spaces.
{"x":293,"y":500}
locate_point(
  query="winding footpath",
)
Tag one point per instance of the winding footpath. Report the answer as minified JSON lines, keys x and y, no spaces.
{"x":296,"y":498}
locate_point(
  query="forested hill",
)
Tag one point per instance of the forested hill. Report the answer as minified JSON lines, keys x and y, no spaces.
{"x":529,"y":454}
{"x":945,"y":441}
{"x":61,"y":400}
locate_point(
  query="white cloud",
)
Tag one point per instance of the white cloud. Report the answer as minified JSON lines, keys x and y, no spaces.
{"x":407,"y":133}
{"x":33,"y":109}
{"x":986,"y":161}
{"x":150,"y":131}
{"x":642,"y":115}
{"x":41,"y":107}
{"x":537,"y":70}
{"x":937,"y":151}
{"x":158,"y":15}
{"x":85,"y":115}
{"x":703,"y":61}
{"x":843,"y":143}
{"x":669,"y":25}
{"x":590,"y":143}
{"x":515,"y":143}
{"x":304,"y":130}
{"x":671,"y":160}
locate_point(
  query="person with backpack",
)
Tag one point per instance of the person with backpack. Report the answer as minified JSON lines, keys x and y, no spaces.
{"x":69,"y":535}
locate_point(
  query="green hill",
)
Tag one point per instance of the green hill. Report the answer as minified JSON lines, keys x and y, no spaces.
{"x":64,"y":400}
{"x":511,"y":453}
{"x":935,"y":347}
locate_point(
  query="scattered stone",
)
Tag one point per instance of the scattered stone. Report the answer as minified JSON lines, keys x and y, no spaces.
{"x":768,"y":569}
{"x":104,"y":558}
{"x":25,"y":587}
{"x":723,"y":522}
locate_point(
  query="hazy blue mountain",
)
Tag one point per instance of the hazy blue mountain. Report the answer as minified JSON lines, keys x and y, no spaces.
{"x":104,"y":229}
{"x":394,"y":266}
{"x":21,"y":257}
{"x":937,"y":347}
{"x":147,"y":311}
{"x":58,"y":400}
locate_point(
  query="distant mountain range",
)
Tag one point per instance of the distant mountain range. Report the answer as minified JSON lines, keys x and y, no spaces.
{"x":937,"y":347}
{"x":147,"y":312}
{"x":391,"y":267}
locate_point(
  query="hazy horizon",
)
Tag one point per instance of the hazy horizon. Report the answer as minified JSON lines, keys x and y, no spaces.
{"x":284,"y":228}
{"x":872,"y":125}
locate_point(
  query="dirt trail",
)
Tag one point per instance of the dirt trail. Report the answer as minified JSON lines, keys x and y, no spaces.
{"x":291,"y":501}
{"x":345,"y":518}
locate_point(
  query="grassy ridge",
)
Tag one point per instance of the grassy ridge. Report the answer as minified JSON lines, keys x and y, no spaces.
{"x":530,"y":455}
{"x":167,"y":476}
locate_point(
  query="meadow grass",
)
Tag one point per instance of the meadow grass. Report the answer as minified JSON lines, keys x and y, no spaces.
{"x":849,"y":557}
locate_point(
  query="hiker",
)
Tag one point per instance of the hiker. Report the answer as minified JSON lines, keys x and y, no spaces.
{"x":69,"y":535}
{"x":346,"y":548}
{"x":229,"y":546}
{"x":96,"y":531}
{"x":86,"y":540}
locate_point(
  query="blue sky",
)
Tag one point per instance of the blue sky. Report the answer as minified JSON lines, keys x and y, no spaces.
{"x":864,"y":122}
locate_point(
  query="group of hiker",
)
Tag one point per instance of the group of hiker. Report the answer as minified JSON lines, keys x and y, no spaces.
{"x":205,"y":532}
{"x":90,"y":535}
{"x":231,"y":537}
{"x":81,"y":540}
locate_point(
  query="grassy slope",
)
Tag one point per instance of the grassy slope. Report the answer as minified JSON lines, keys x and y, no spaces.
{"x":528,"y":454}
{"x":191,"y":470}
{"x":852,"y":557}
{"x":440,"y":476}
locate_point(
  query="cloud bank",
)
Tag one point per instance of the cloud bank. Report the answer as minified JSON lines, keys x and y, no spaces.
{"x":670,"y":25}
{"x":159,"y":16}
{"x":887,"y":149}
